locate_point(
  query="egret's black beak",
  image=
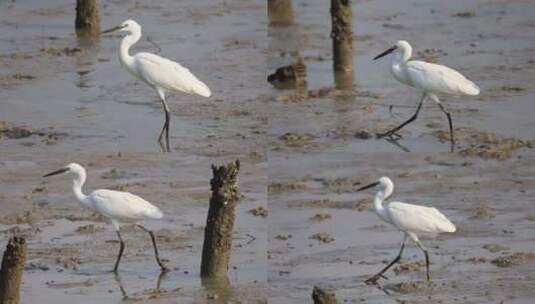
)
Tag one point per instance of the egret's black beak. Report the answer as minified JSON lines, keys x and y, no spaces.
{"x":368,"y":186}
{"x":62,"y":170}
{"x":113,"y":29}
{"x":390,"y":50}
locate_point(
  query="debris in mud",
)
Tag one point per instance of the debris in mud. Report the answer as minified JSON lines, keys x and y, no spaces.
{"x":320,"y":217}
{"x":512,"y":89}
{"x":14,"y":78}
{"x":363,"y":134}
{"x":431,"y":55}
{"x":318,"y":93}
{"x":483,"y":211}
{"x":36,"y":266}
{"x":340,"y":184}
{"x":489,"y":146}
{"x":86,"y":283}
{"x":477,"y":260}
{"x":284,"y":187}
{"x":408,"y":267}
{"x":61,"y":51}
{"x":283,"y":236}
{"x":363,"y":205}
{"x":259,"y":211}
{"x":113,"y":174}
{"x":296,"y":140}
{"x":323,"y":237}
{"x":531,"y":217}
{"x":467,"y":14}
{"x":15,"y":132}
{"x":394,"y":26}
{"x":289,"y":77}
{"x":88,"y":229}
{"x":68,"y":263}
{"x":409,"y":287}
{"x":39,"y":189}
{"x":515,"y":259}
{"x":494,"y":247}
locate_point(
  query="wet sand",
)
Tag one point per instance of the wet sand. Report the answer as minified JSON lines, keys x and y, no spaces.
{"x":483,"y":187}
{"x":89,"y":110}
{"x":300,"y":156}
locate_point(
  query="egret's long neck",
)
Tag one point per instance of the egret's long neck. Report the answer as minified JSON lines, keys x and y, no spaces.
{"x":403,"y":57}
{"x":77,"y":184}
{"x":126,"y":43}
{"x":380,"y":197}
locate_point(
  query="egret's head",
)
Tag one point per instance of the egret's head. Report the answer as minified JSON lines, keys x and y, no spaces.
{"x":129,"y":26}
{"x":383,"y":183}
{"x":70,"y":168}
{"x":401,"y":48}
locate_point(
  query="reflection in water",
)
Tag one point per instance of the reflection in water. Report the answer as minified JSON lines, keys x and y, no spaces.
{"x":280,"y":12}
{"x":154,"y":291}
{"x":86,"y":59}
{"x":217,"y":290}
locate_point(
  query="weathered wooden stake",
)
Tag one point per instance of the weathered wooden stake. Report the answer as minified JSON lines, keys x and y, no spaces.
{"x":342,"y":36}
{"x":217,"y":245}
{"x":87,"y":18}
{"x":11,"y":271}
{"x":323,"y":295}
{"x":280,"y":12}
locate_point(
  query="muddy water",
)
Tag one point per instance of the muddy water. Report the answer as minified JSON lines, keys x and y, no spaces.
{"x":104,"y":119}
{"x":303,"y":150}
{"x":313,"y":176}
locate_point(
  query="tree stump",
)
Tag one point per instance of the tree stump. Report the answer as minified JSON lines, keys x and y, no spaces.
{"x":323,"y":295}
{"x":280,"y":12}
{"x":342,"y":37}
{"x":217,"y":245}
{"x":87,"y":21}
{"x":11,"y":271}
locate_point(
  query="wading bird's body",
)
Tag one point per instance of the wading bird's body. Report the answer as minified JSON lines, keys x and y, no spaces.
{"x":412,"y":220}
{"x":161,"y":74}
{"x":119,"y":207}
{"x":430,"y":78}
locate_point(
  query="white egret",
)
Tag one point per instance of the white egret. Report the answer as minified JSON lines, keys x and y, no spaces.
{"x":119,"y":207}
{"x":409,"y":219}
{"x":159,"y":73}
{"x":430,"y":78}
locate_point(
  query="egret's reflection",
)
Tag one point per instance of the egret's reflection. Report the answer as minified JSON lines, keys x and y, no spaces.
{"x":156,"y":290}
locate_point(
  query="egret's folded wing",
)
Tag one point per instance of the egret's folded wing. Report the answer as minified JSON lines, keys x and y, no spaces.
{"x":170,"y":75}
{"x":123,"y":205}
{"x":416,"y":218}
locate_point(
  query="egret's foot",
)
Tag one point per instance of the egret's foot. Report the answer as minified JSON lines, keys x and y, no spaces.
{"x":373,"y":280}
{"x":164,"y":269}
{"x":392,"y":135}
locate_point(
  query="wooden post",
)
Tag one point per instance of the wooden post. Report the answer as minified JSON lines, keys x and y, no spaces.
{"x":87,"y":18}
{"x":280,"y":12}
{"x":342,"y":37}
{"x":323,"y":295}
{"x":217,"y":245}
{"x":11,"y":271}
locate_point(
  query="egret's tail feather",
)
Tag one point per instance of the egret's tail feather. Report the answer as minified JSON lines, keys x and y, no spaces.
{"x":447,"y":226}
{"x":470,"y":88}
{"x":203,"y":90}
{"x":155,"y":213}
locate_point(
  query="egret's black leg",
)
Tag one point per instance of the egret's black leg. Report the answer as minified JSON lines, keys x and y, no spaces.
{"x":375,"y":278}
{"x":450,"y":124}
{"x":162,"y":266}
{"x":426,"y":260}
{"x":165,"y":127}
{"x":413,"y":117}
{"x":121,"y":249}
